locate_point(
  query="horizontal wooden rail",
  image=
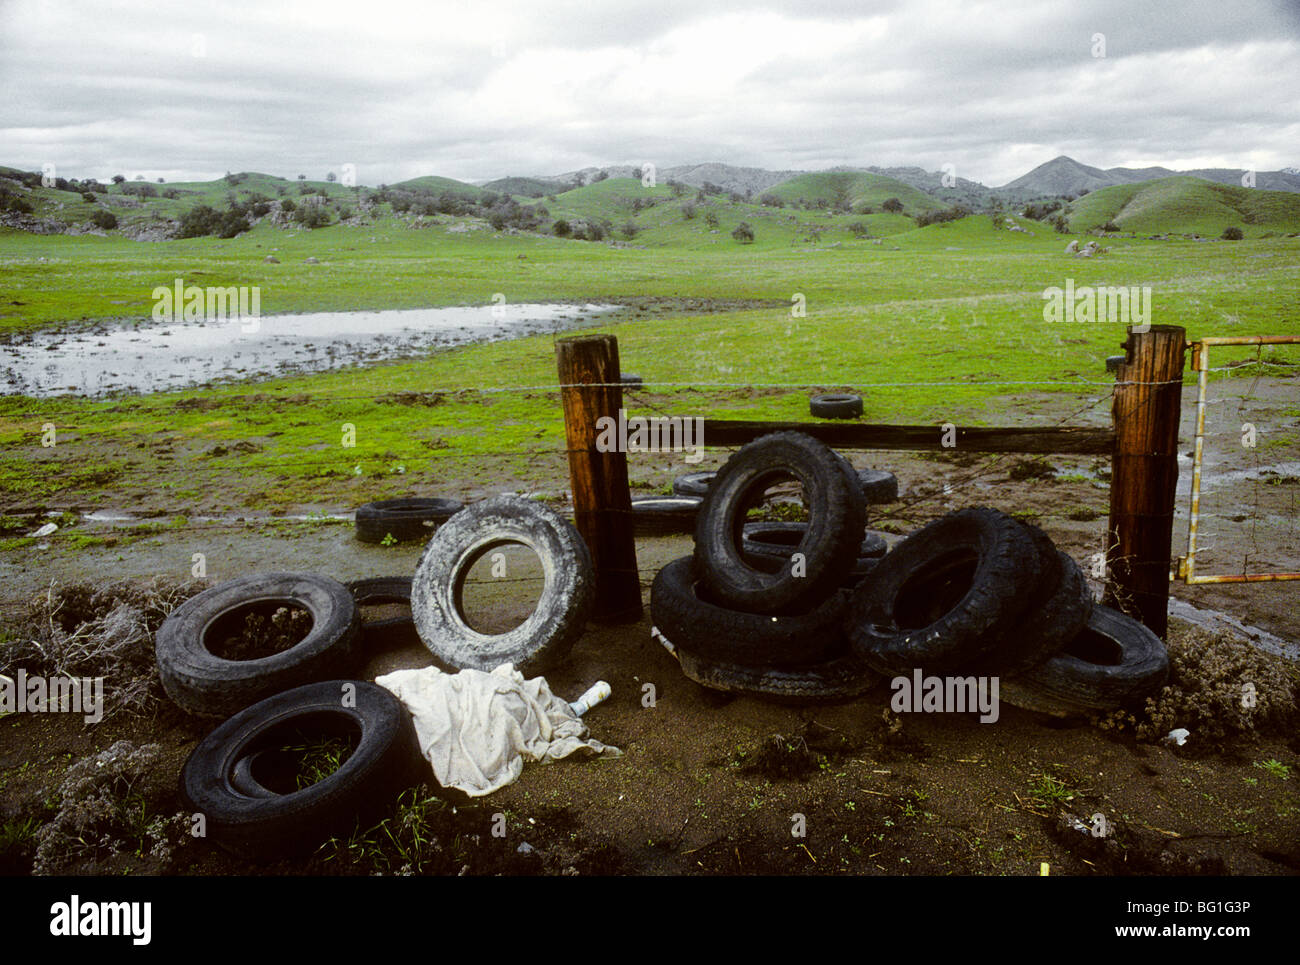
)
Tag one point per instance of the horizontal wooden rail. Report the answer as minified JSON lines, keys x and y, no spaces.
{"x":857,"y":435}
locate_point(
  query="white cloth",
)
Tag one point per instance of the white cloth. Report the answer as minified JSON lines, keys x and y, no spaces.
{"x":477,"y":728}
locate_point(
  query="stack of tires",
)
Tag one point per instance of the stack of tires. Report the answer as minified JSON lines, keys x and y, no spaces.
{"x":981,"y":593}
{"x":240,"y":777}
{"x":760,"y":608}
{"x":819,"y":610}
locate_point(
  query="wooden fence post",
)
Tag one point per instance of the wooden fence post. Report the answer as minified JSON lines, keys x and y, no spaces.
{"x":602,"y":504}
{"x":1145,"y":409}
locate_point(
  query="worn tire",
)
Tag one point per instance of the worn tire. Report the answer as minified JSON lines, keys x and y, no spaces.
{"x":545,"y":638}
{"x":836,"y":406}
{"x":761,"y":543}
{"x":839,"y":678}
{"x":202,"y":683}
{"x":407,"y":520}
{"x":877,"y":485}
{"x":1049,"y":622}
{"x":225,"y":778}
{"x":947,"y":595}
{"x":1073,"y":681}
{"x":837,"y":518}
{"x":391,"y":632}
{"x":693,"y":484}
{"x":685,"y":615}
{"x":663,"y":515}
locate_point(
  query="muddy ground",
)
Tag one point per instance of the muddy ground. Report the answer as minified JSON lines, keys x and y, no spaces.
{"x":713,"y":784}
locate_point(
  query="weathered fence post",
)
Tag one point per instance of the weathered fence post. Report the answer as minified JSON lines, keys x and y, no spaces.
{"x":1146,"y":407}
{"x":602,"y":504}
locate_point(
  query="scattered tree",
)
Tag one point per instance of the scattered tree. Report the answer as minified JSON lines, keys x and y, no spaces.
{"x":1232,"y":234}
{"x":103,"y":219}
{"x":743,"y":233}
{"x":892,"y":205}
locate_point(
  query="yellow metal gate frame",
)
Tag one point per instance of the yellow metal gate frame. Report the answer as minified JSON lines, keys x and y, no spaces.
{"x":1201,"y":363}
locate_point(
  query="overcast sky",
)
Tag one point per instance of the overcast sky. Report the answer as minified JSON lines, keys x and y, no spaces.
{"x":478,"y":89}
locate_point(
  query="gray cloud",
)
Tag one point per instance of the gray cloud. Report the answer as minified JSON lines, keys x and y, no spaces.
{"x":481,"y":90}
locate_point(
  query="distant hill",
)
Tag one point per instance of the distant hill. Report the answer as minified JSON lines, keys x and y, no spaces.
{"x":1064,"y":176}
{"x":857,"y":189}
{"x":524,"y":187}
{"x":1185,"y":204}
{"x":431,"y":184}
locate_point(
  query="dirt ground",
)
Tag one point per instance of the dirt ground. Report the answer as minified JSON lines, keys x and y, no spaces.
{"x":717,"y":784}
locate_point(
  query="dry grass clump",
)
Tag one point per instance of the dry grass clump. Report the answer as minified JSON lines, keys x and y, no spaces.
{"x":1220,"y":689}
{"x":101,"y":812}
{"x":84,"y":630}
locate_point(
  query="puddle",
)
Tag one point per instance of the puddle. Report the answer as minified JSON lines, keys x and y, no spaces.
{"x":1215,"y":621}
{"x":158,"y":357}
{"x":1211,"y":481}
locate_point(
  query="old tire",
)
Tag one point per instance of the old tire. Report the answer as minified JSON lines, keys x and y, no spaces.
{"x":836,"y":406}
{"x":542,"y":640}
{"x":1115,"y":662}
{"x":839,"y":678}
{"x":693,"y":484}
{"x":1049,"y":622}
{"x":392,"y":631}
{"x":663,"y":515}
{"x":202,"y":683}
{"x":837,"y":518}
{"x":684,"y":614}
{"x":947,"y":595}
{"x":249,"y":806}
{"x":406,"y":520}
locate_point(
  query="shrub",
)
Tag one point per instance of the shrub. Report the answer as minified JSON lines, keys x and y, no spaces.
{"x":102,"y":812}
{"x":312,"y":216}
{"x":859,"y":230}
{"x":711,"y":219}
{"x":892,"y":205}
{"x":630,"y":230}
{"x":1231,"y":234}
{"x":743,"y":233}
{"x":771,"y":201}
{"x":287,"y":205}
{"x":103,"y":219}
{"x":940,"y":217}
{"x":688,"y":211}
{"x":561,"y":229}
{"x":1111,"y":226}
{"x":1061,"y":224}
{"x":87,"y":197}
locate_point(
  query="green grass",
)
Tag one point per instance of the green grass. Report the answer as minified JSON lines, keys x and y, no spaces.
{"x":857,"y":189}
{"x":952,"y":310}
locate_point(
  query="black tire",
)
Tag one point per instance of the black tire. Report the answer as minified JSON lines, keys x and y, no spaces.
{"x":1073,"y":681}
{"x":662,"y":515}
{"x":763,"y":542}
{"x":391,"y":632}
{"x":406,"y":520}
{"x":628,"y":378}
{"x":1049,"y":622}
{"x":202,"y":683}
{"x":693,"y":484}
{"x":542,"y":640}
{"x":841,"y":406}
{"x":228,"y":776}
{"x":1113,"y":362}
{"x":837,"y":519}
{"x":685,"y":615}
{"x":840,"y":678}
{"x":877,"y":485}
{"x":947,"y":595}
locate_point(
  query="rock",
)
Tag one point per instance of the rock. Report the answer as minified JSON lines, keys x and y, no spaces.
{"x":271,"y":260}
{"x":312,"y":261}
{"x":1084,"y":253}
{"x":1072,"y":247}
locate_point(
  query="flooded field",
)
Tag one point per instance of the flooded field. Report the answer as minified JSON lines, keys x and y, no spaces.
{"x":176,"y":355}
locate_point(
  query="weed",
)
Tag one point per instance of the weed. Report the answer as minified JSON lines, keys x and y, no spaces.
{"x":1276,"y":768}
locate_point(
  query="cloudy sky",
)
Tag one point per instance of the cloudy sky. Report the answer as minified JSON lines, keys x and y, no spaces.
{"x":478,"y":89}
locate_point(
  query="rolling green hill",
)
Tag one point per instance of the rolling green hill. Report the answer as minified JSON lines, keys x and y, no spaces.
{"x":857,"y":189}
{"x":1188,"y":205}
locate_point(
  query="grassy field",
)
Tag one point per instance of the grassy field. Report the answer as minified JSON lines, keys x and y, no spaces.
{"x":954,"y":311}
